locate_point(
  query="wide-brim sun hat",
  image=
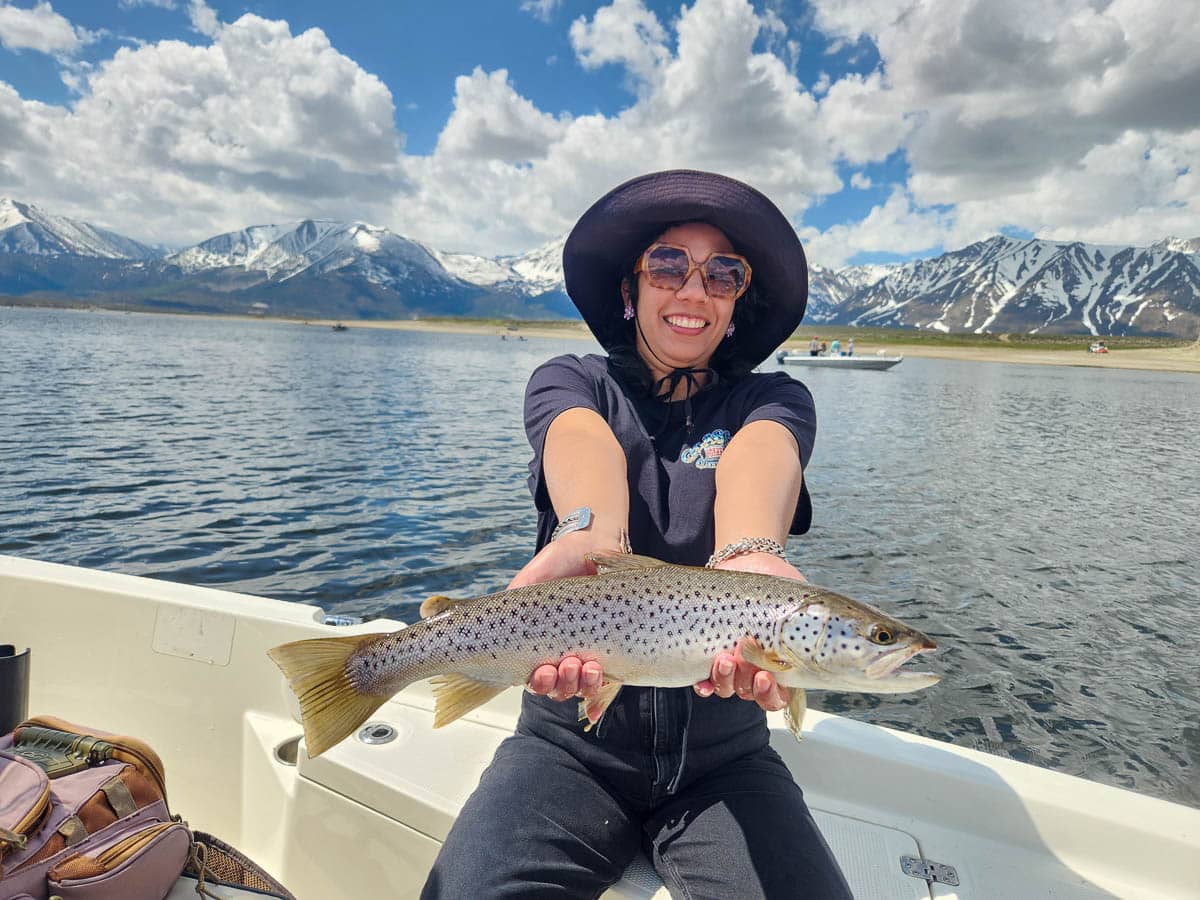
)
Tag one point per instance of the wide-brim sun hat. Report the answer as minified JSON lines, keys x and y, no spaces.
{"x":628,"y":218}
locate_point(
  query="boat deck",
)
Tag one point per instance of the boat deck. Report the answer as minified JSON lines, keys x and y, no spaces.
{"x":186,"y":669}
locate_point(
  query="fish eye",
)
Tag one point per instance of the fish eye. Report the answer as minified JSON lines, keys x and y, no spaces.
{"x":881,"y":634}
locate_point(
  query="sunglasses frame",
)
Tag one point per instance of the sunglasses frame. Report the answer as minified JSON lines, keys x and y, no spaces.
{"x":693,"y":265}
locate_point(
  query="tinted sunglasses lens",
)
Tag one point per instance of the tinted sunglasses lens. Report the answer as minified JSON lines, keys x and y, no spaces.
{"x":725,"y":276}
{"x":666,"y":267}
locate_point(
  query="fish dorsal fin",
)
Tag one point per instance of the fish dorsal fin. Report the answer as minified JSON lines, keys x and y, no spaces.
{"x":438,"y":604}
{"x":617,"y":562}
{"x":456,"y":695}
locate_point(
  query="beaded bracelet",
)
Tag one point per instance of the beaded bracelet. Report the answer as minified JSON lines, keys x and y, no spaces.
{"x":746,"y":545}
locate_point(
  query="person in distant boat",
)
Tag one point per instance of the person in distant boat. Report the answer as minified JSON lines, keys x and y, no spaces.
{"x":850,"y":347}
{"x":835,"y":349}
{"x":824,"y":349}
{"x":673,"y":447}
{"x":814,"y":346}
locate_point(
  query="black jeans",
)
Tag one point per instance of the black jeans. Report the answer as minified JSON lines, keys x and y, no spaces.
{"x":693,"y":783}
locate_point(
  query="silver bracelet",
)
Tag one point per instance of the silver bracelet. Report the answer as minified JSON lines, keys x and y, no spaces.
{"x":746,"y":545}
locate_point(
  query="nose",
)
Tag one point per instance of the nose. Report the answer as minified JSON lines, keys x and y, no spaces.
{"x":693,"y":288}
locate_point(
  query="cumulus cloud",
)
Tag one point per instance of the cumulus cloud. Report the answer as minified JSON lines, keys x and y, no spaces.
{"x":176,"y":141}
{"x":1066,"y":117}
{"x":40,"y":28}
{"x":542,"y":9}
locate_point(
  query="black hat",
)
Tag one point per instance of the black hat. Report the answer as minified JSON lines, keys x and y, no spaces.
{"x":625,"y":220}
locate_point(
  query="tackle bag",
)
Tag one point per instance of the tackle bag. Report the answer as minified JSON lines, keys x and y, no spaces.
{"x":83,"y":816}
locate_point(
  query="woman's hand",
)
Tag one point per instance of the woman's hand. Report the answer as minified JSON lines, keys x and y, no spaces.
{"x":572,"y":677}
{"x":731,"y":674}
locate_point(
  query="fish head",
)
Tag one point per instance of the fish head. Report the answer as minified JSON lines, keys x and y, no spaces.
{"x":841,"y":644}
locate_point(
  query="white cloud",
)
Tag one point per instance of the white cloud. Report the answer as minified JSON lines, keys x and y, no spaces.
{"x":40,"y":28}
{"x":161,"y":4}
{"x":1070,"y":118}
{"x":203,"y":18}
{"x":896,"y":226}
{"x":1055,"y":116}
{"x":625,"y":33}
{"x":542,"y":9}
{"x":175,"y":142}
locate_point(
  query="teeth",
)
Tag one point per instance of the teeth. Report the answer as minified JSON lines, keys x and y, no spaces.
{"x":686,"y":322}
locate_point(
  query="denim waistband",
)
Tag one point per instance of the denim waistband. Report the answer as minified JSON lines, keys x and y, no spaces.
{"x":651,"y":740}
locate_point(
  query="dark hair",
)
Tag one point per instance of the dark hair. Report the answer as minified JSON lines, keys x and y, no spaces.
{"x":748,"y":312}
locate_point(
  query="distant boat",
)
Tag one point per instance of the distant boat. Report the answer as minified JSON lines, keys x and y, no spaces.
{"x":339,"y":327}
{"x":803,"y":358}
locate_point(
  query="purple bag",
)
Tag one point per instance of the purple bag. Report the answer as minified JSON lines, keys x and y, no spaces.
{"x":99,"y":831}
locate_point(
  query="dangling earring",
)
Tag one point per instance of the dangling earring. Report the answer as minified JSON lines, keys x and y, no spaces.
{"x":628,"y":310}
{"x":729,"y":331}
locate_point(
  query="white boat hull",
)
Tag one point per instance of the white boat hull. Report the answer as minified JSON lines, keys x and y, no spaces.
{"x":803,"y":358}
{"x":186,"y":669}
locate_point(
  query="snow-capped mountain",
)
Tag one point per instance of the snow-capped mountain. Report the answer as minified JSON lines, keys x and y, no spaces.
{"x":26,"y":229}
{"x":1006,"y":284}
{"x":321,"y":267}
{"x":317,"y":247}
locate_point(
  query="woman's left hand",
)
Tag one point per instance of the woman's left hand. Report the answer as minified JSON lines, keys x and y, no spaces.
{"x":731,"y":674}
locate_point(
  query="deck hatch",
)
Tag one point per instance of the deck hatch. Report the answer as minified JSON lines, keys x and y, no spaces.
{"x":929,"y":870}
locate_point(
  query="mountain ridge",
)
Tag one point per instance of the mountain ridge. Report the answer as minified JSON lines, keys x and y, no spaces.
{"x":324,"y":267}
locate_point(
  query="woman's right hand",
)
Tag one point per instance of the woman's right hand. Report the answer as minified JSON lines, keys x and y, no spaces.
{"x":571,"y":677}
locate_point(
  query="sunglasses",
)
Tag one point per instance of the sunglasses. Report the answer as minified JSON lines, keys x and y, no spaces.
{"x":725,"y":275}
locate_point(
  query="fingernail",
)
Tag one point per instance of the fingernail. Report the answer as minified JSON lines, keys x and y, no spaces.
{"x":704,"y":691}
{"x":725,"y":667}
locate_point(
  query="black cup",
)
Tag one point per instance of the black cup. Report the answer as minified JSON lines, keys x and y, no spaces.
{"x":14,"y":687}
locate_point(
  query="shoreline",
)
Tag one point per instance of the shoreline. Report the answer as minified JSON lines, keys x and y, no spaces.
{"x":1166,"y":359}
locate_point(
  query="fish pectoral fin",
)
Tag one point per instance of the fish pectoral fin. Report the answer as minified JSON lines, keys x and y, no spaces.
{"x":794,"y":713}
{"x":603,"y":699}
{"x":616,"y":562}
{"x":438,"y":604}
{"x":456,"y":695}
{"x":753,"y":652}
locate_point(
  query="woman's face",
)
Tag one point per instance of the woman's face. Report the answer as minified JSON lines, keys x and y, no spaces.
{"x":683,"y":327}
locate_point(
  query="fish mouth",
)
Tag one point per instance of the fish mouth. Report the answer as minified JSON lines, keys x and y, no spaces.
{"x":886,"y":668}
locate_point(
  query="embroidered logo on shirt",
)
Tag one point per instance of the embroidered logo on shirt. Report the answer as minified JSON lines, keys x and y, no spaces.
{"x":706,"y":452}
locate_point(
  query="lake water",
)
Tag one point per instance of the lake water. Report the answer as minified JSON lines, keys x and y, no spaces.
{"x":1039,"y":522}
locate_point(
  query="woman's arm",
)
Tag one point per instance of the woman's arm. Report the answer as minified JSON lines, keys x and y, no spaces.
{"x":583,"y":465}
{"x":758,"y":487}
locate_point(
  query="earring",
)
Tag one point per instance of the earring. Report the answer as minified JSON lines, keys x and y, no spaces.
{"x":729,"y":331}
{"x":628,"y":310}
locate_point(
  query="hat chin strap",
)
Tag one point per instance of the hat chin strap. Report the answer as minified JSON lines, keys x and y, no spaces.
{"x":671,"y":381}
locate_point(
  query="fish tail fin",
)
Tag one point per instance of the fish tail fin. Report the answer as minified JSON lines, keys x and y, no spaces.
{"x":331,"y":707}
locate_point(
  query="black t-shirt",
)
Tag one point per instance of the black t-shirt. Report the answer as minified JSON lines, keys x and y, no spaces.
{"x":672,"y":468}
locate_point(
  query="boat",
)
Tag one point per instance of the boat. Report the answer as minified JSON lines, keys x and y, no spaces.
{"x":338,"y":326}
{"x":803,"y":358}
{"x":185,"y":668}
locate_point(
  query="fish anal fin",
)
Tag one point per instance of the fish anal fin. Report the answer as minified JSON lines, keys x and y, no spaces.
{"x":617,"y":562}
{"x":794,"y":713}
{"x":753,"y":652}
{"x":456,"y":695}
{"x":438,"y":604}
{"x":599,"y":704}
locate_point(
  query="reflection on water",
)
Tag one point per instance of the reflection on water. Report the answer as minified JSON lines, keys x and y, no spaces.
{"x":1039,"y":522}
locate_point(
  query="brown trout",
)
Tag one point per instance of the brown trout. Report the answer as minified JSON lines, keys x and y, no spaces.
{"x":644,"y":621}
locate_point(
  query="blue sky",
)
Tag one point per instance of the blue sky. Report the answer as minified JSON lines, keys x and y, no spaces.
{"x":884,"y":130}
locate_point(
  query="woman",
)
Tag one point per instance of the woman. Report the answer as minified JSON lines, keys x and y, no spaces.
{"x":670,"y":446}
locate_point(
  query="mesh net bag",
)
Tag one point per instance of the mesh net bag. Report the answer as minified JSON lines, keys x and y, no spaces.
{"x":214,"y":862}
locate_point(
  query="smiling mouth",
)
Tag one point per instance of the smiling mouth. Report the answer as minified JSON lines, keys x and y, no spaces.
{"x":685,"y":322}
